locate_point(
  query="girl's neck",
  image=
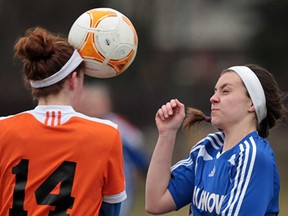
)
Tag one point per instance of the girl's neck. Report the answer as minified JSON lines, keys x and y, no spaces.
{"x":233,"y":137}
{"x":54,"y":100}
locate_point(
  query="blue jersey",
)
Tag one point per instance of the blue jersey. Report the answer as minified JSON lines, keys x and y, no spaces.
{"x":241,"y":181}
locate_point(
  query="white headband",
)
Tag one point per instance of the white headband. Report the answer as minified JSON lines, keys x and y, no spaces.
{"x":254,"y":89}
{"x":68,"y":68}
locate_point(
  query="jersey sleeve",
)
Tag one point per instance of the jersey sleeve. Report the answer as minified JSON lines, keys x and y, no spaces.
{"x":114,"y":188}
{"x":181,"y":182}
{"x":254,"y":185}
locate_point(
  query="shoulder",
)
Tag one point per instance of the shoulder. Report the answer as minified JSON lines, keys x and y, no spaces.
{"x":264,"y":154}
{"x":96,"y":127}
{"x":13,"y":117}
{"x":212,"y":141}
{"x":256,"y":145}
{"x":256,"y":152}
{"x":14,"y":123}
{"x":94,"y":120}
{"x":206,"y":148}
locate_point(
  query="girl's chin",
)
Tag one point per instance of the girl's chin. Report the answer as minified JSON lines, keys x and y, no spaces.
{"x":216,"y":123}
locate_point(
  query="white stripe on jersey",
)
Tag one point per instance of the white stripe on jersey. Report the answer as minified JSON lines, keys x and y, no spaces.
{"x":236,"y":179}
{"x":239,"y":186}
{"x":239,"y":178}
{"x":57,"y":115}
{"x":104,"y":121}
{"x":213,"y":143}
{"x":216,"y":136}
{"x":185,"y":162}
{"x":188,"y":161}
{"x":218,"y":143}
{"x":252,"y":162}
{"x":117,"y":198}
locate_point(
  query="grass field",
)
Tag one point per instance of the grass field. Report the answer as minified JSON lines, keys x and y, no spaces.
{"x":279,"y":142}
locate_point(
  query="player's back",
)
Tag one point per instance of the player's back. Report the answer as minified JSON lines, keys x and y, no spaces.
{"x":62,"y":162}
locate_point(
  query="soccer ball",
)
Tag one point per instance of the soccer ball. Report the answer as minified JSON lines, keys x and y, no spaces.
{"x":107,"y":41}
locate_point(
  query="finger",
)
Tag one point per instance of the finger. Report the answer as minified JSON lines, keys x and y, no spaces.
{"x":170,"y":109}
{"x":165,"y":110}
{"x":179,"y":104}
{"x":173,"y":103}
{"x":160,"y":114}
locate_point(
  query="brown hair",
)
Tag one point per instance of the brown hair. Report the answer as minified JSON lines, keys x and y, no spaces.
{"x":275,"y":103}
{"x":275,"y":100}
{"x":42,"y":54}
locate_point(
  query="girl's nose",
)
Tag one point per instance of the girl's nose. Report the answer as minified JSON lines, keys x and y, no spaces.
{"x":214,"y":98}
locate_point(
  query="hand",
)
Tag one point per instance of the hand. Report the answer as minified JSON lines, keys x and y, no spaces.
{"x":170,"y":116}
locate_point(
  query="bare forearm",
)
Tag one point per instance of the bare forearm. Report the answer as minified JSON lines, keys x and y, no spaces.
{"x":158,"y":198}
{"x":168,"y":120}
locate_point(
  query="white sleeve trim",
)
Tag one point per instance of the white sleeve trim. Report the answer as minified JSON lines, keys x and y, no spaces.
{"x":116,"y":198}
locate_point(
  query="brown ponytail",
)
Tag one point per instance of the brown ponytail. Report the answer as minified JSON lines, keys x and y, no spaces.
{"x":194,"y":116}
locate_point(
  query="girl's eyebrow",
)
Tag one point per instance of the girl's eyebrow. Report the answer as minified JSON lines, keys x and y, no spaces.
{"x":223,"y":86}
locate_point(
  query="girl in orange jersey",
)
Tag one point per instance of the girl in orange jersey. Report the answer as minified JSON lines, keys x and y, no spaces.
{"x":54,"y":160}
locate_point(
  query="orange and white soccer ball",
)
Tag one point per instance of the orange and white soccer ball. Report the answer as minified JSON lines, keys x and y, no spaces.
{"x":107,"y":41}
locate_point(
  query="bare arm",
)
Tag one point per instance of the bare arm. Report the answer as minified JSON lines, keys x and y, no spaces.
{"x":168,"y":120}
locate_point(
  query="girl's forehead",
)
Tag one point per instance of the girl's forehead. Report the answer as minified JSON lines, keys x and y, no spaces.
{"x":229,"y":78}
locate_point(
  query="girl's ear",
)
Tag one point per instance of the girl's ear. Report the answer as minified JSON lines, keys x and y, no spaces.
{"x":251,"y":108}
{"x":73,"y":80}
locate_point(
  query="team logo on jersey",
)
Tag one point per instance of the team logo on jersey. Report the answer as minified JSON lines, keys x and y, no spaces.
{"x":211,"y":174}
{"x":232,"y":160}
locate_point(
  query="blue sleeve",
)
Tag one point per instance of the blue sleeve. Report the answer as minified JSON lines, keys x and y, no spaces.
{"x":263,"y":188}
{"x":108,"y":209}
{"x":256,"y":184}
{"x":181,"y":182}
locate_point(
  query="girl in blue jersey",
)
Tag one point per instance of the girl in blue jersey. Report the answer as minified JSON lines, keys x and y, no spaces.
{"x":230,"y":172}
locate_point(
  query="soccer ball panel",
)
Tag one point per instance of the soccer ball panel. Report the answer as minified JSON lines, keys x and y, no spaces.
{"x":102,"y":70}
{"x":106,"y":40}
{"x":79,"y":30}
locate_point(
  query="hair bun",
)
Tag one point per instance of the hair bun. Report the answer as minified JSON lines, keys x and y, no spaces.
{"x":42,"y":53}
{"x":36,"y":45}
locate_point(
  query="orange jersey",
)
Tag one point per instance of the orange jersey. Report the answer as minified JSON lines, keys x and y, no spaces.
{"x":55,"y":161}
